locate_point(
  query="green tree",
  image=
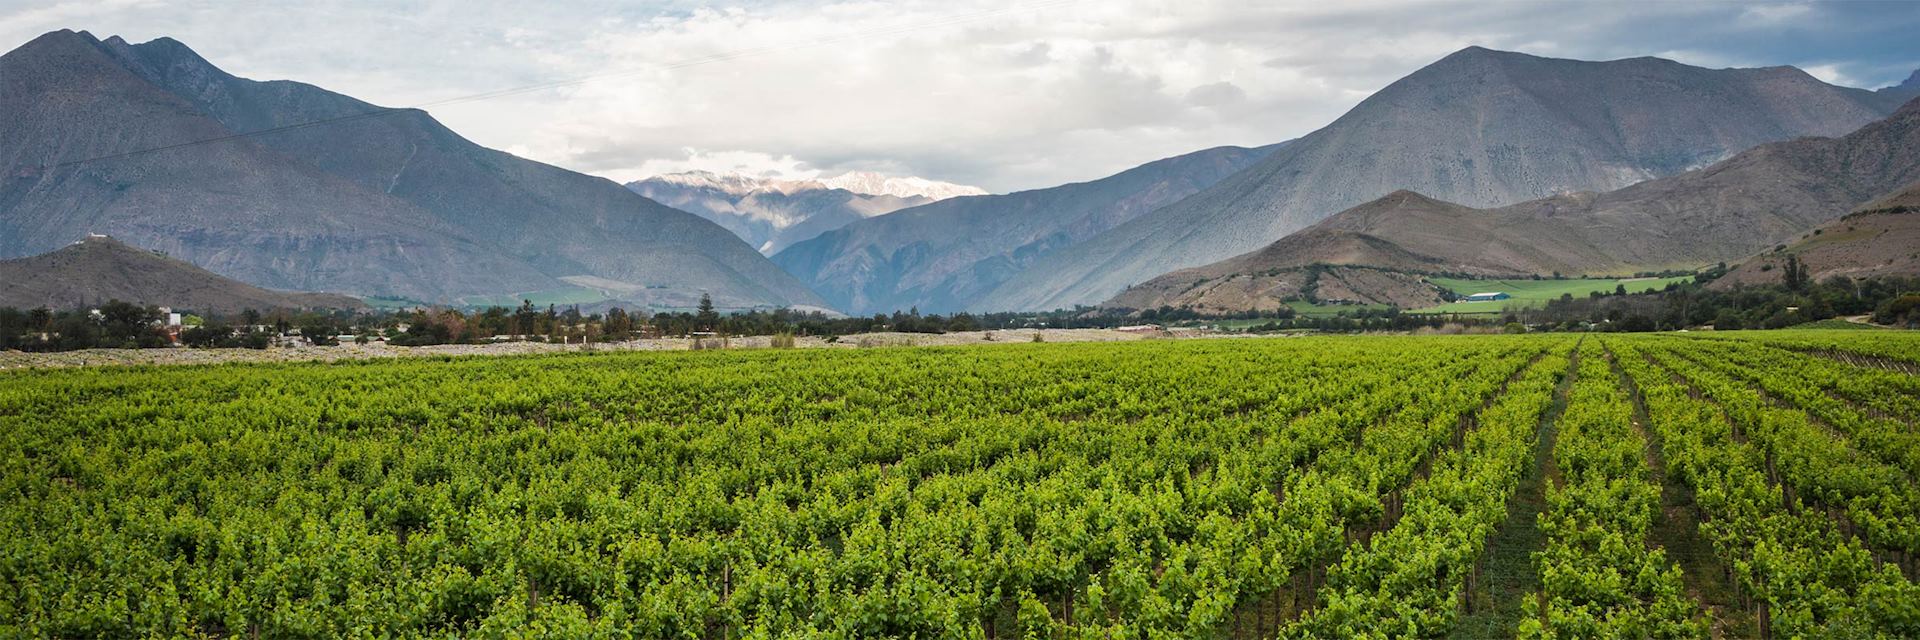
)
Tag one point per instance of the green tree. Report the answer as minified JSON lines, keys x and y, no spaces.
{"x":209,"y":335}
{"x":320,"y":334}
{"x":618,"y":324}
{"x":707,"y":319}
{"x":1904,"y":310}
{"x":523,"y":319}
{"x":1727,"y":320}
{"x":128,"y":323}
{"x":1795,"y":274}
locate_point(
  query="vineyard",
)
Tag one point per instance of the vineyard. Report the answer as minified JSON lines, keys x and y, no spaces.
{"x":1754,"y":484}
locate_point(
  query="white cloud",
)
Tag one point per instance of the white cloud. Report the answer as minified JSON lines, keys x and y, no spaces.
{"x":1772,"y":14}
{"x":1001,"y":94}
{"x":1830,"y":74}
{"x":1217,"y":94}
{"x":751,"y":163}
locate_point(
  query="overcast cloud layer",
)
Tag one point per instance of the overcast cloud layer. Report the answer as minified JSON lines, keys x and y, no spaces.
{"x":1002,"y":95}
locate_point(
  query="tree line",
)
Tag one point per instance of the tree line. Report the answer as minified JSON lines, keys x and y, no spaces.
{"x":1796,"y":299}
{"x":119,"y":324}
{"x":1891,"y":300}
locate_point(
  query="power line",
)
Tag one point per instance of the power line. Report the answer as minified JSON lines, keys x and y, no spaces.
{"x":951,"y":20}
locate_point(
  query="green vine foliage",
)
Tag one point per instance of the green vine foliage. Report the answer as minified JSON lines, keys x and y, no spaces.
{"x":1159,"y":489}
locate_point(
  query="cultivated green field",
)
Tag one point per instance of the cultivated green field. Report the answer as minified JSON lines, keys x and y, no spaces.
{"x":1600,"y":486}
{"x":1536,"y":292}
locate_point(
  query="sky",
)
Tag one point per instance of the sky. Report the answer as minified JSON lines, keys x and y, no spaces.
{"x":1001,"y":95}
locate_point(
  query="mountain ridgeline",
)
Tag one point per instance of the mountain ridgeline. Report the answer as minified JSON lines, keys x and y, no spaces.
{"x":1770,"y":194}
{"x":1484,"y":162}
{"x":97,"y":269}
{"x":943,"y":256}
{"x":374,"y":202}
{"x":1479,"y":128}
{"x":774,"y":214}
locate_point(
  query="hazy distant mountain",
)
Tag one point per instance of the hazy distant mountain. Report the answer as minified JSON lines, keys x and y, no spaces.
{"x":98,"y":268}
{"x":772,"y":214}
{"x":1764,"y":196}
{"x":942,"y":256}
{"x":393,"y":204}
{"x":1479,"y":128}
{"x":1880,"y":238}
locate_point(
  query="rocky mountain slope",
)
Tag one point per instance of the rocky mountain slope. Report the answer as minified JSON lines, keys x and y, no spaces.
{"x":1480,"y":128}
{"x":1231,"y":287}
{"x":773,"y":214}
{"x":1906,"y":90}
{"x":941,"y":257}
{"x":99,"y":268}
{"x":1761,"y":197}
{"x":1880,"y":238}
{"x":392,"y":204}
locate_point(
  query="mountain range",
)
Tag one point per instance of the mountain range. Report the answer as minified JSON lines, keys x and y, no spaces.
{"x":1724,"y":212}
{"x":1479,"y":128}
{"x":96,"y":269}
{"x":1482,"y":163}
{"x":772,"y":214}
{"x":376,"y":202}
{"x":941,"y":257}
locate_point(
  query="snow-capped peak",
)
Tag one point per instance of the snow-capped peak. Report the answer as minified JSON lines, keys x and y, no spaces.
{"x":872,"y":183}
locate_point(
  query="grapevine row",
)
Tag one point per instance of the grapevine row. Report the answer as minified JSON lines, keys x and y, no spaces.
{"x":918,"y":492}
{"x":1410,"y":580}
{"x":1599,"y":577}
{"x":1869,"y":498}
{"x":1823,"y":389}
{"x":1800,"y":575}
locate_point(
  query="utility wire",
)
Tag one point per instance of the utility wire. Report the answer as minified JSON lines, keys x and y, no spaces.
{"x":951,"y":20}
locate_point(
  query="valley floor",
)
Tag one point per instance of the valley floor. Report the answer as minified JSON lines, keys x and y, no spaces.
{"x":184,"y":356}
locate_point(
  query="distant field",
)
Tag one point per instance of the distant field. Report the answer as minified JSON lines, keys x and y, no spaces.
{"x":383,"y":302}
{"x":560,"y":297}
{"x":1839,"y":324}
{"x":1527,"y":293}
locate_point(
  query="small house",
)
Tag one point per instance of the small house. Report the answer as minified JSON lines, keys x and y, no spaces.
{"x":1488,"y":296}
